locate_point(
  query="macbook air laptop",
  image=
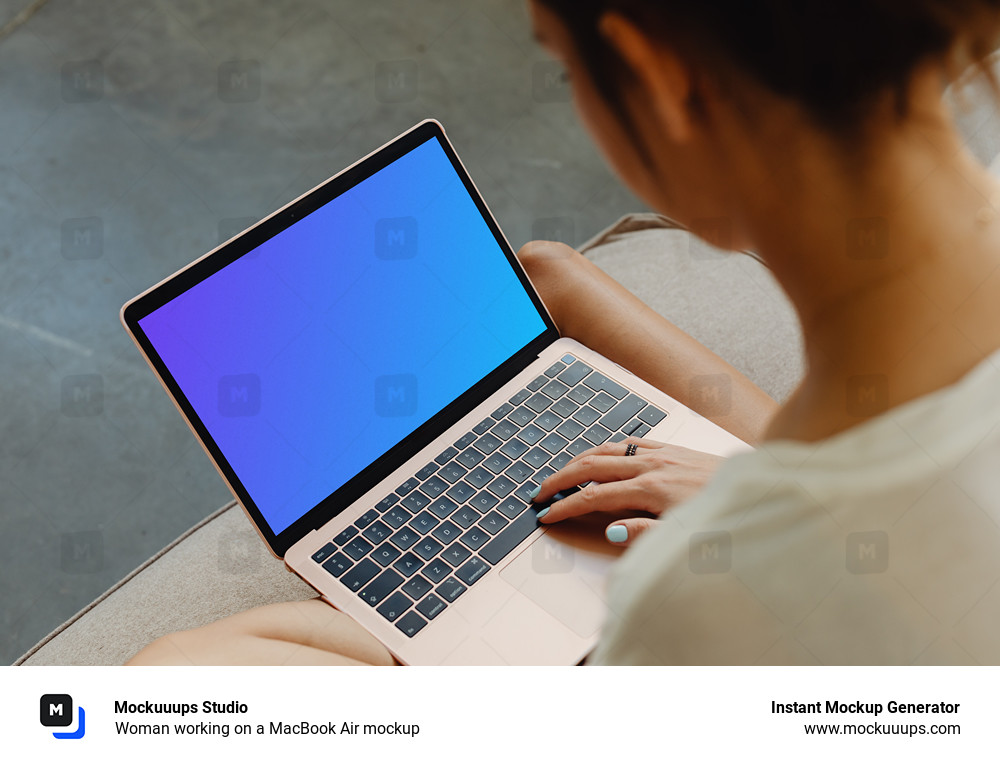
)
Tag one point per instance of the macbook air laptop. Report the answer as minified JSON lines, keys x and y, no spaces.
{"x":375,"y":378}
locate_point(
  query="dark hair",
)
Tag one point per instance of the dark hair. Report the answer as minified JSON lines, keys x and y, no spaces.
{"x":832,"y":57}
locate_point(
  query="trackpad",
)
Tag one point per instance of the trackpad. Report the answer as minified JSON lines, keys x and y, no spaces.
{"x":565,"y":573}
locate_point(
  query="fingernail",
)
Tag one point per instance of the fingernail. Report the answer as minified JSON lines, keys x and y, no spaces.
{"x":617,"y":533}
{"x":542,"y":513}
{"x":534,"y":493}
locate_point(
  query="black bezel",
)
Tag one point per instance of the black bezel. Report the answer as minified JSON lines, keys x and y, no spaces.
{"x":154,"y":298}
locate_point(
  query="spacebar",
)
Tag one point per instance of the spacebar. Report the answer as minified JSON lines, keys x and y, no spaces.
{"x":509,"y":539}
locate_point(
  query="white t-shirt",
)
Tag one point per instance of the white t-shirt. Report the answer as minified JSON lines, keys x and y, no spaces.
{"x":878,"y":546}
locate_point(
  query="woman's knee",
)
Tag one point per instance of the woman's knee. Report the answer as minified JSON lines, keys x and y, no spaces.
{"x":551,"y":267}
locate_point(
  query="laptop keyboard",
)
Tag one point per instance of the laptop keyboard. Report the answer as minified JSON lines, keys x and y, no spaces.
{"x":424,"y":545}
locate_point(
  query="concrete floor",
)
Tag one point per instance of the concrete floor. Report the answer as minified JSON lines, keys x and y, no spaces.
{"x":136,"y":135}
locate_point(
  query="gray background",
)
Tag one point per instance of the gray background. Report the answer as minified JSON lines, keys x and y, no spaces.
{"x":136,"y":135}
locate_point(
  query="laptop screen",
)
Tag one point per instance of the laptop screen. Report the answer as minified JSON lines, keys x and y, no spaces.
{"x":313,"y":354}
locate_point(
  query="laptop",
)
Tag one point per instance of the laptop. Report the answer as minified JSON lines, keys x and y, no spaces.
{"x":378,"y":383}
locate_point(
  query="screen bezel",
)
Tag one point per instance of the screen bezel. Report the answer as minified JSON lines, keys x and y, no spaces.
{"x":143,"y":305}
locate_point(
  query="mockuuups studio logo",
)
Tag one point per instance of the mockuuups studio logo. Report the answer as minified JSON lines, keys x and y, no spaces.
{"x":396,"y":238}
{"x":56,"y":711}
{"x":395,"y":396}
{"x":239,"y":395}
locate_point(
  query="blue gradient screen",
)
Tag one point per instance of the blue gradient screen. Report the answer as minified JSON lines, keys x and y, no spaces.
{"x":312,"y":355}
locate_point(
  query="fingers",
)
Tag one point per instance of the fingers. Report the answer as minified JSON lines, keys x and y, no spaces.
{"x":626,"y":531}
{"x":629,"y":495}
{"x":604,"y":463}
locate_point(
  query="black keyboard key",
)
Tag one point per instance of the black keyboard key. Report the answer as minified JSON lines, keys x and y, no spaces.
{"x":346,"y":535}
{"x":488,"y":443}
{"x":337,"y":564}
{"x":521,"y":416}
{"x":428,"y":548}
{"x":367,"y":519}
{"x":461,"y":492}
{"x":443,"y":507}
{"x":470,"y":458}
{"x":568,"y":359}
{"x":538,"y":403}
{"x":456,"y":554}
{"x":511,"y":507}
{"x":532,"y":434}
{"x":426,"y":472}
{"x":434,"y":486}
{"x":411,"y":624}
{"x":445,"y":456}
{"x":519,"y":397}
{"x":415,"y":501}
{"x":502,"y":411}
{"x":408,"y":486}
{"x":394,"y":606}
{"x":537,"y":383}
{"x":472,"y":570}
{"x":465,"y":517}
{"x":359,"y":574}
{"x":581,"y":395}
{"x":484,"y":501}
{"x":358,"y":548}
{"x":484,"y":426}
{"x":555,"y":389}
{"x":466,"y":440}
{"x":600,"y":382}
{"x":408,"y":564}
{"x":493,"y":522}
{"x":450,"y":589}
{"x":519,"y":472}
{"x":523,"y":492}
{"x":510,"y":537}
{"x":453,"y":472}
{"x":571,"y":429}
{"x":431,"y":607}
{"x":631,"y":426}
{"x":377,"y":532}
{"x":504,"y":430}
{"x":580,"y":445}
{"x":424,"y":522}
{"x":618,"y":437}
{"x":537,"y":457}
{"x":436,"y":571}
{"x":497,"y":463}
{"x":555,"y":370}
{"x":553,"y":443}
{"x":596,"y":434}
{"x":397,"y":517}
{"x":548,"y":420}
{"x":514,"y":448}
{"x":386,"y":503}
{"x":502,"y":486}
{"x":586,"y":415}
{"x":324,"y":553}
{"x":652,"y":415}
{"x":417,"y":587}
{"x":542,"y":474}
{"x":623,"y":412}
{"x":447,"y":532}
{"x":381,"y":587}
{"x":574,"y":373}
{"x":385,"y":554}
{"x":603,"y":401}
{"x":641,"y":431}
{"x":564,"y":408}
{"x":559,"y":461}
{"x":480,"y":477}
{"x":474,"y":538}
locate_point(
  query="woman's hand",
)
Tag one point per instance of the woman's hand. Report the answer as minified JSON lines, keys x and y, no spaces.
{"x":654,"y":479}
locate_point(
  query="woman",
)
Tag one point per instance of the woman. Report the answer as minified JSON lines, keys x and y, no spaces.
{"x":866,"y":527}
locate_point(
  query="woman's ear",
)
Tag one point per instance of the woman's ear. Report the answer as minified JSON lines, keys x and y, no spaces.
{"x":665,"y":81}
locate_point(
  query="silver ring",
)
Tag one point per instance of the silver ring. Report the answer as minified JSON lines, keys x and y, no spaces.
{"x":630,"y":449}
